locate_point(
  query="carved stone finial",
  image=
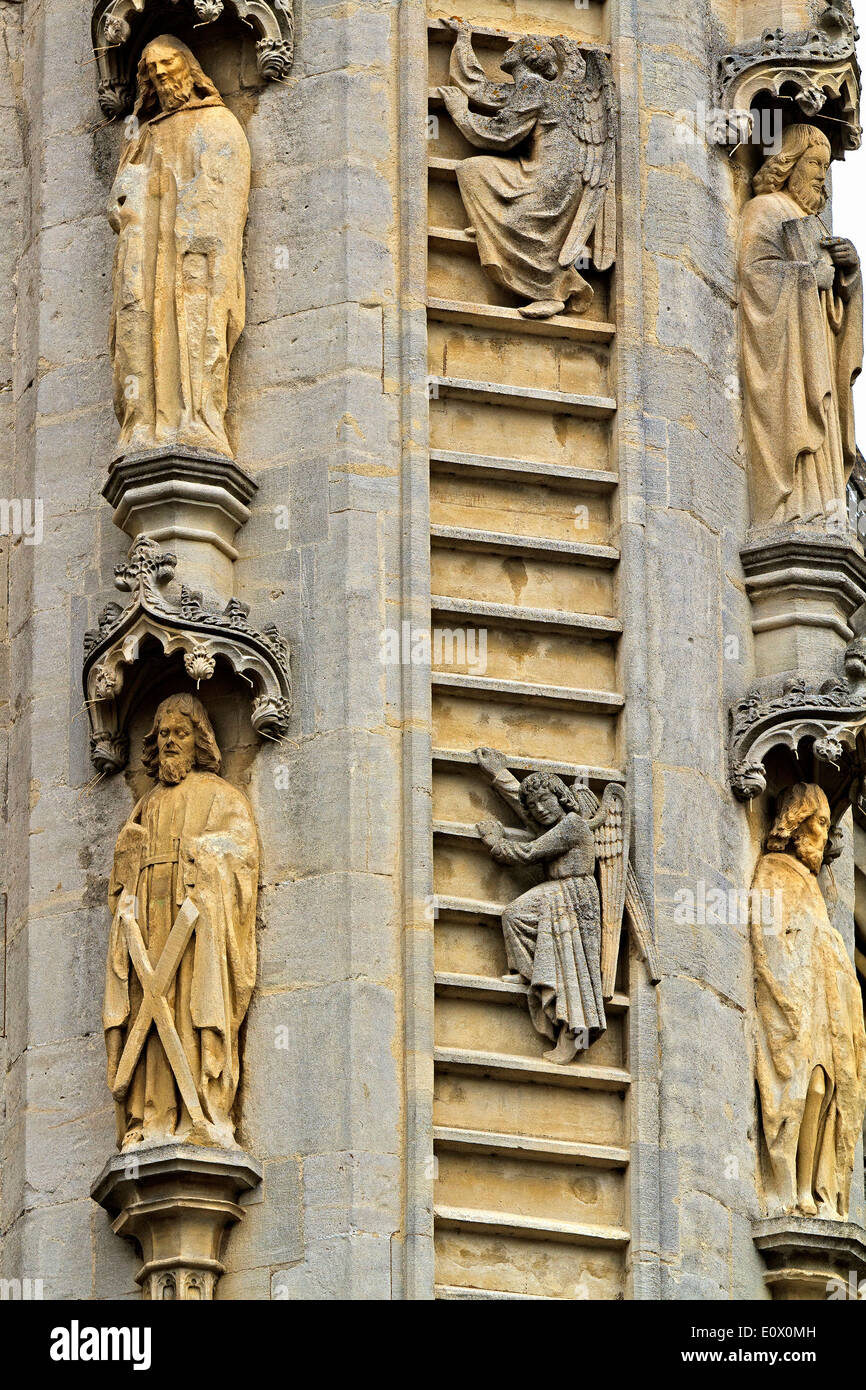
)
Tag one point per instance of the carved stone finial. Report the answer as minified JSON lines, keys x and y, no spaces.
{"x":274,"y":58}
{"x":199,"y":664}
{"x":147,"y":568}
{"x":748,"y":779}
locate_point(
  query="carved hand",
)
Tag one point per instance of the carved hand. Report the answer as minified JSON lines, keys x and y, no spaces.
{"x":825,"y":276}
{"x":843,"y":252}
{"x":489,"y":761}
{"x":490,"y":832}
{"x":456,"y":102}
{"x":459,"y":26}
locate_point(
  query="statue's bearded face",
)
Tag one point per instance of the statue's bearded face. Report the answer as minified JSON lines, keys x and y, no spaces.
{"x":169,"y":72}
{"x":809,"y":840}
{"x":806,"y":180}
{"x":175,"y":741}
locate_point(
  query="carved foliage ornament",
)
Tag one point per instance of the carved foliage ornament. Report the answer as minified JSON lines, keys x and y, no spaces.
{"x":830,"y":714}
{"x":184,"y":624}
{"x":116,"y":23}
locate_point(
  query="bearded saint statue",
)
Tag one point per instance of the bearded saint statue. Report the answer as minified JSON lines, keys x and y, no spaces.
{"x":811,"y":1043}
{"x":801,"y":340}
{"x":178,"y":205}
{"x":182,"y":948}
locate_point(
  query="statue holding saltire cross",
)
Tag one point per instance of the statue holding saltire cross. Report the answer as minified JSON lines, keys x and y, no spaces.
{"x":182,"y":948}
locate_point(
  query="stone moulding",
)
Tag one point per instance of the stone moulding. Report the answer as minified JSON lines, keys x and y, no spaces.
{"x":811,"y":1258}
{"x":116,"y":26}
{"x":809,"y":620}
{"x":178,"y":624}
{"x":177,"y":1202}
{"x":816,"y":68}
{"x":192,"y":501}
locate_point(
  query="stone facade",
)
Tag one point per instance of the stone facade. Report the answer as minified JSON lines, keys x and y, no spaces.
{"x":469,"y":528}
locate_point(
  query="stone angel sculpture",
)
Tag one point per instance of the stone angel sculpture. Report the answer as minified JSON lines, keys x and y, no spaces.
{"x":533,"y":215}
{"x":562,"y":935}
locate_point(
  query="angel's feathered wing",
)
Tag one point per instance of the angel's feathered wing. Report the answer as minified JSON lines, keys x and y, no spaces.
{"x":587,"y":105}
{"x":638,"y":916}
{"x":611,"y":829}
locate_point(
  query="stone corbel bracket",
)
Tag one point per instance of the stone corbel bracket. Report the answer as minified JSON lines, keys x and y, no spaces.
{"x":831,"y":716}
{"x":118,"y":24}
{"x":182,"y":625}
{"x":817,"y":69}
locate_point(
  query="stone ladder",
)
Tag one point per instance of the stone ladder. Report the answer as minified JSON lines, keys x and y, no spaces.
{"x":531,"y":1180}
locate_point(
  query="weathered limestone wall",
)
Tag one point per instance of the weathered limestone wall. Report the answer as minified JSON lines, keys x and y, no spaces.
{"x":685,"y":516}
{"x":321,"y":413}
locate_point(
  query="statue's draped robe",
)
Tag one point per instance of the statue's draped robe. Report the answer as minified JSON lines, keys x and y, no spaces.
{"x":179,"y":205}
{"x":522,"y":209}
{"x":801,"y":349}
{"x":553,"y":932}
{"x":809,"y":1015}
{"x":197,"y":839}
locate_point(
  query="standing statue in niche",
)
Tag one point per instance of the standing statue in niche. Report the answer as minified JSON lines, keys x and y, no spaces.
{"x":801,"y":328}
{"x":533,"y":215}
{"x":811,"y":1043}
{"x":562,"y":936}
{"x":179,"y":206}
{"x":182,"y":948}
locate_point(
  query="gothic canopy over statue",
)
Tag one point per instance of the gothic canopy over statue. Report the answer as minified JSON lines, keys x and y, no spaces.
{"x":117,"y":26}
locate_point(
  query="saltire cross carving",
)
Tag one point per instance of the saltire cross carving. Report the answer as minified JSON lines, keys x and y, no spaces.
{"x":155,"y":982}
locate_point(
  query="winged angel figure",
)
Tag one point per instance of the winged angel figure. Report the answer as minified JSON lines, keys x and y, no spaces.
{"x":562,"y":936}
{"x":533,"y":215}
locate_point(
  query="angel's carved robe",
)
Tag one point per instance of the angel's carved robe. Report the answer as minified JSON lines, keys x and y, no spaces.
{"x":179,"y":205}
{"x":195,"y":839}
{"x":802,"y":347}
{"x":553,"y":932}
{"x":524,"y":209}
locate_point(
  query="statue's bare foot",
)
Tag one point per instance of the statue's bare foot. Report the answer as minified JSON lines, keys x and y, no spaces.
{"x":542,"y":308}
{"x":565,"y":1050}
{"x":131,"y":1138}
{"x":512,"y":979}
{"x":807,"y":1204}
{"x":471,"y":233}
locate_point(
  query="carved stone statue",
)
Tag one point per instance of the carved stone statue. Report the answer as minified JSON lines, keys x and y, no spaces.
{"x":178,"y":205}
{"x":182,"y":947}
{"x":811,"y":1044}
{"x":555,"y":934}
{"x":801,"y":327}
{"x":533,"y":215}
